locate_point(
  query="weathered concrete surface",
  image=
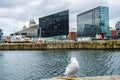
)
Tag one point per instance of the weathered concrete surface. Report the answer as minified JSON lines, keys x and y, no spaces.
{"x":97,"y":44}
{"x":117,"y":77}
{"x":61,"y":78}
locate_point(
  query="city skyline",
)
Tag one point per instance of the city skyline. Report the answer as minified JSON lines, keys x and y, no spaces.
{"x":17,"y":13}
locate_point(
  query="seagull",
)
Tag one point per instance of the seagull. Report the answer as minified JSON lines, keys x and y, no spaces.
{"x":71,"y":68}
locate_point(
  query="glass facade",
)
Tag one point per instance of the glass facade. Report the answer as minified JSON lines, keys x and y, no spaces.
{"x":92,"y":22}
{"x":55,"y":24}
{"x":1,"y":34}
{"x":117,"y":26}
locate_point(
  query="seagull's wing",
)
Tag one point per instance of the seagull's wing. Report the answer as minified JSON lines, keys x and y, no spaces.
{"x":68,"y":69}
{"x":71,"y":69}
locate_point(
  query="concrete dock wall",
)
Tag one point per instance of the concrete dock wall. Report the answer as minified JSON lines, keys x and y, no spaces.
{"x":100,"y":44}
{"x":115,"y":77}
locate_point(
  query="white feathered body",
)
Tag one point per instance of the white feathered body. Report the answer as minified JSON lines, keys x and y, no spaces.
{"x":72,"y":68}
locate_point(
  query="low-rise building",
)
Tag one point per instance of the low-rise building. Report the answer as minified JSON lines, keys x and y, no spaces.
{"x":32,"y":31}
{"x":72,"y":34}
{"x":113,"y":34}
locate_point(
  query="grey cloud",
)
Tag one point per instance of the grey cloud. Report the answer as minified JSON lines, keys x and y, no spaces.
{"x":12,"y":3}
{"x":44,"y":8}
{"x":8,"y":25}
{"x":82,"y":6}
{"x":51,"y":7}
{"x":114,"y":9}
{"x":32,"y":9}
{"x":47,"y":7}
{"x":13,"y":14}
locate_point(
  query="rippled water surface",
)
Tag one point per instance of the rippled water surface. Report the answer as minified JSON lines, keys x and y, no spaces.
{"x":36,"y":65}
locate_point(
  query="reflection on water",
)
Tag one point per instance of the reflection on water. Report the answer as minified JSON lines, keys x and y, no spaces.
{"x":36,"y":65}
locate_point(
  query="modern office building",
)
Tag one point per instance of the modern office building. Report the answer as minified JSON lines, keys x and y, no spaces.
{"x":117,"y":26}
{"x":54,"y":25}
{"x":92,"y":22}
{"x":1,"y":34}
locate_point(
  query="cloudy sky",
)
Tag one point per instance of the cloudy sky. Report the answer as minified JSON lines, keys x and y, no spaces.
{"x":14,"y":14}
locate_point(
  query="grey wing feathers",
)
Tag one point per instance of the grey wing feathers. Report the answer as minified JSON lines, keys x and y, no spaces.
{"x":71,"y":69}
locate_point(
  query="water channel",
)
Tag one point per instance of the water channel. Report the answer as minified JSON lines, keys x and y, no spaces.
{"x":36,"y":65}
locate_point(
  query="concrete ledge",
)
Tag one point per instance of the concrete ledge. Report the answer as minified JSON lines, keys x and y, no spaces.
{"x":116,"y":77}
{"x":95,"y":45}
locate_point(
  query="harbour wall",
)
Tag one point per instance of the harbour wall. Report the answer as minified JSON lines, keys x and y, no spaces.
{"x":115,"y":77}
{"x":97,"y":44}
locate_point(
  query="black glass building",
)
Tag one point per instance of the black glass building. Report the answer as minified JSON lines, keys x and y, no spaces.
{"x":92,"y":22}
{"x":54,"y":25}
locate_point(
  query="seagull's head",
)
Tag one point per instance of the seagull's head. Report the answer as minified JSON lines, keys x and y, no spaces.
{"x":74,"y":60}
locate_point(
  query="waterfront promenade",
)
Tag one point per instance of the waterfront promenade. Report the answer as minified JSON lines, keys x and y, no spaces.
{"x":97,"y":44}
